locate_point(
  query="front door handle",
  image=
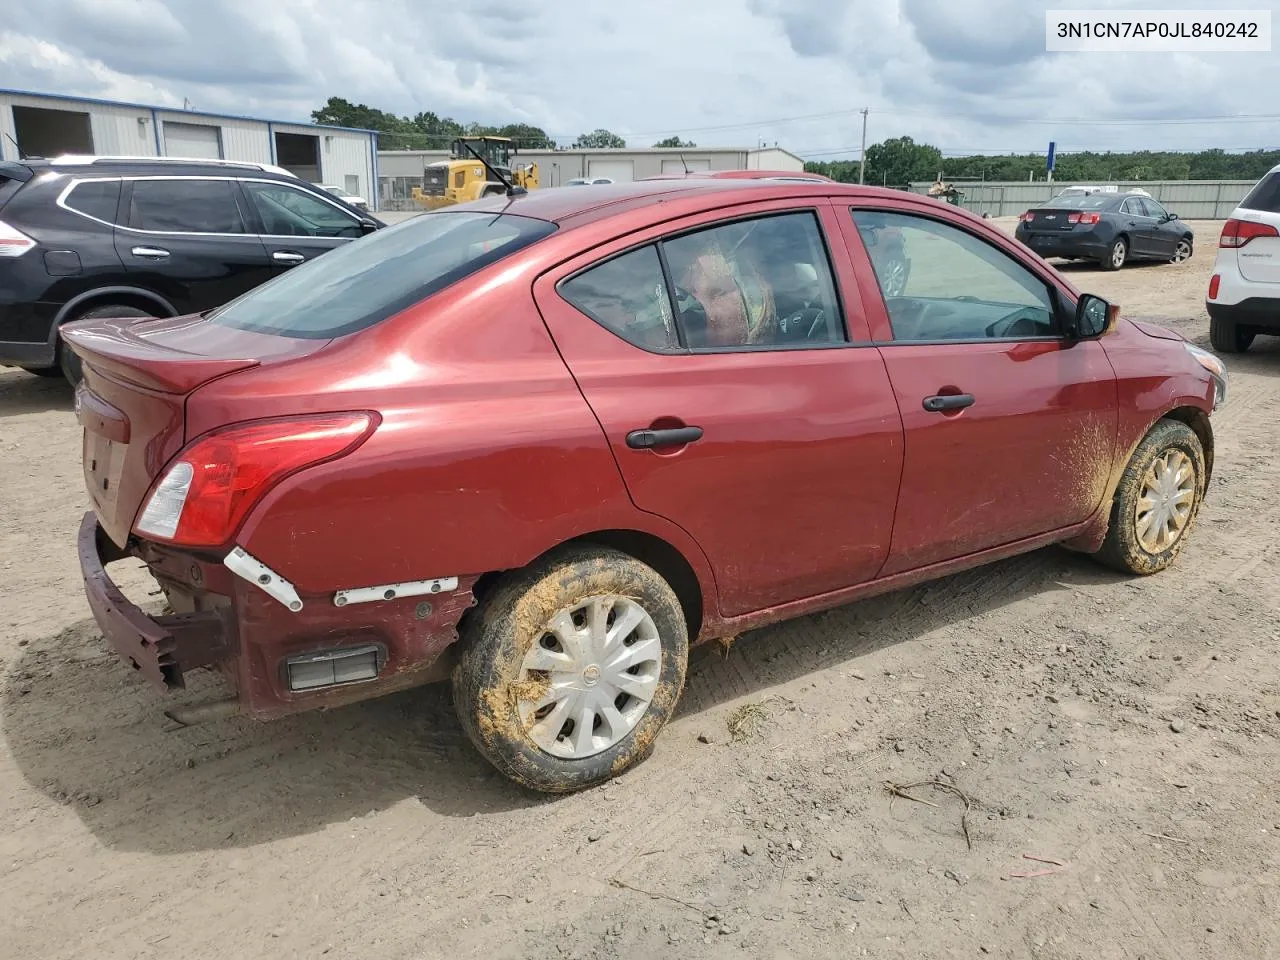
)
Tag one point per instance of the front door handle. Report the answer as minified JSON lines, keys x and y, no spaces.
{"x":151,"y":253}
{"x":283,"y":256}
{"x":948,"y":401}
{"x":671,"y":437}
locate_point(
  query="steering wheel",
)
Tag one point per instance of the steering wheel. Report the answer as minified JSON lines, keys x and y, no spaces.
{"x":1004,"y":327}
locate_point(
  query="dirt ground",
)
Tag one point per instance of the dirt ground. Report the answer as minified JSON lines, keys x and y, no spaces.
{"x":1127,"y":729}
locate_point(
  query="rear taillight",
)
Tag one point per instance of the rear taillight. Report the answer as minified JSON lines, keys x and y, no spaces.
{"x":1026,"y":217}
{"x":13,"y":242}
{"x":1236,"y":233}
{"x":1084,"y":218}
{"x":1214,"y":282}
{"x":205,"y":494}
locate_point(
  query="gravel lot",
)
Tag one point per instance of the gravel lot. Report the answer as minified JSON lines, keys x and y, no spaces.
{"x":1128,"y":729}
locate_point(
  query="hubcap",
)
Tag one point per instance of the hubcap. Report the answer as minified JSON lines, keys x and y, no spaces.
{"x":592,"y":673}
{"x":1165,"y":501}
{"x":1182,"y":251}
{"x":895,"y":280}
{"x":1117,"y":254}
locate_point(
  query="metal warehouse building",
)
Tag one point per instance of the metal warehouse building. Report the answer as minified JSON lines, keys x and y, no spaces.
{"x":401,"y":170}
{"x":44,"y":125}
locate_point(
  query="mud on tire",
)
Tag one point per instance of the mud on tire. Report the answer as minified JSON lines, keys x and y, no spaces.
{"x":489,"y":692}
{"x":1123,"y":548}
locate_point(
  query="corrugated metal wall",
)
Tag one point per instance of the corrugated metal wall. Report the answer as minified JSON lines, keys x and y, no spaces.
{"x":1189,"y":199}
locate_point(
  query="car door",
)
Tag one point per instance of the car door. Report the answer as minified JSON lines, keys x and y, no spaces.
{"x":297,"y":225}
{"x":186,"y":238}
{"x":1141,"y":228}
{"x":753,"y":412}
{"x":1165,"y":233}
{"x":1010,"y":428}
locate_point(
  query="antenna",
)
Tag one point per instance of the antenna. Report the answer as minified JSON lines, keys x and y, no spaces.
{"x":683,"y":164}
{"x":512,"y":191}
{"x":21,"y":155}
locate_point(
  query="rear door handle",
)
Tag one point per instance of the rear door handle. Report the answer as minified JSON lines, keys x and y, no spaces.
{"x":948,"y":401}
{"x":281,"y":256}
{"x":151,"y":253}
{"x":671,"y":437}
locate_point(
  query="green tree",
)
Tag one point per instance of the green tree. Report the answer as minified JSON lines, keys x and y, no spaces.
{"x":527,"y":137}
{"x":394,"y":133}
{"x":901,"y":160}
{"x":675,"y":142}
{"x":598,"y":139}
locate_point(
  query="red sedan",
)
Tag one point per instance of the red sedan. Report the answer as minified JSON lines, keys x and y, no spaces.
{"x":543,"y":443}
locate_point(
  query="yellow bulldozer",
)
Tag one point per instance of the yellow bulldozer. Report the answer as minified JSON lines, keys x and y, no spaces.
{"x":464,"y":176}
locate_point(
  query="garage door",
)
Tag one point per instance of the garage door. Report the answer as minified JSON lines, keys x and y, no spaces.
{"x":693,"y":163}
{"x":192,"y":140}
{"x":621,"y":171}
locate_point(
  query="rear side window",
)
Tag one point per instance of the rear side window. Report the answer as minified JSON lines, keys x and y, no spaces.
{"x":628,"y":295}
{"x":1265,"y":196}
{"x":95,"y":198}
{"x":368,"y":280}
{"x":185,"y":206}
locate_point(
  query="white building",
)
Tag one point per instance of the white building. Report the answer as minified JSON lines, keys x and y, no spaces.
{"x":46,"y":125}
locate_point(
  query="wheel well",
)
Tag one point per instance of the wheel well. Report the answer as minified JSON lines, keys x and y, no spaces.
{"x":669,"y":563}
{"x":121,"y":298}
{"x":1197,"y":420}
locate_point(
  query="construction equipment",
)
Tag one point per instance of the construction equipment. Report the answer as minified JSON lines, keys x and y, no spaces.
{"x":463,"y":176}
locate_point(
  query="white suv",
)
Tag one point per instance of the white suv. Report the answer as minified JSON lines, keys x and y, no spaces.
{"x":1244,"y":292}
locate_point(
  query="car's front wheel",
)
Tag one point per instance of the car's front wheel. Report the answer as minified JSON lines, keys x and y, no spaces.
{"x":1116,"y":254}
{"x":1156,"y":501}
{"x":569,"y":669}
{"x":1181,"y":252}
{"x":1227,"y":336}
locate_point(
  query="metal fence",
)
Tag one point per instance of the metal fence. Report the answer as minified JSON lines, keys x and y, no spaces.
{"x":1189,"y":199}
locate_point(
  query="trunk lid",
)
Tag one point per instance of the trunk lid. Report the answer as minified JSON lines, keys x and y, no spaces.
{"x":131,"y":402}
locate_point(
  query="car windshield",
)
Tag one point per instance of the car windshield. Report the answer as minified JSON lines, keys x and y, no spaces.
{"x":1079,"y":201}
{"x":364,"y":282}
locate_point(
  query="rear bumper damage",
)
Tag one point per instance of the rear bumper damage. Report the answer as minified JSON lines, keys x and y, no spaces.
{"x":278,"y":660}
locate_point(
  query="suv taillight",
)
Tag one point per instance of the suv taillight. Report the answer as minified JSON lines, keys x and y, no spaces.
{"x":1236,"y":233}
{"x":203,"y":496}
{"x":13,"y":242}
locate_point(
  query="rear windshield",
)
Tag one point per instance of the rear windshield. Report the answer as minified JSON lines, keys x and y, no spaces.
{"x":1265,"y":196}
{"x":1079,"y":201}
{"x":364,"y":282}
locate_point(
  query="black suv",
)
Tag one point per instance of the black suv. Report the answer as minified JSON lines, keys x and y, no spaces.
{"x":88,"y":236}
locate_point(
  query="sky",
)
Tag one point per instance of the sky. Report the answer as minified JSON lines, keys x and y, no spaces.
{"x":967,"y":76}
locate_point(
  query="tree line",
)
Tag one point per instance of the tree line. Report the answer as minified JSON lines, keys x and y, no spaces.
{"x":429,"y":131}
{"x":901,"y":160}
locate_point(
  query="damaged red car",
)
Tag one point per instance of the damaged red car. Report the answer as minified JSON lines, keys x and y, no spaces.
{"x":541,"y":444}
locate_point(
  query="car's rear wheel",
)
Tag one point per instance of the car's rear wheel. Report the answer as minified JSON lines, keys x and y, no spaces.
{"x":1227,"y":336}
{"x":1116,"y":255}
{"x":68,"y":363}
{"x":1181,"y":252}
{"x":45,"y":371}
{"x":1157,"y":500}
{"x":569,"y":669}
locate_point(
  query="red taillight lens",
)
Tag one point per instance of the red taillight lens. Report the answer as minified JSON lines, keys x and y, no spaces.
{"x":1026,"y":217}
{"x":1085,"y":218}
{"x":13,"y":242}
{"x":1236,"y":233}
{"x":205,"y":494}
{"x":1214,"y":282}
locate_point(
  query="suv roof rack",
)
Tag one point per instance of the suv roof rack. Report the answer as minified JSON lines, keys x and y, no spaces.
{"x":87,"y":159}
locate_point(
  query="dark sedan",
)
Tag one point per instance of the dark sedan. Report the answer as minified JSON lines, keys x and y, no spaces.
{"x":1111,"y":228}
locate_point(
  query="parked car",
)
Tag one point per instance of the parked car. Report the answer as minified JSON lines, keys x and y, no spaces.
{"x":350,"y":199}
{"x":588,"y":181}
{"x":85,"y":236}
{"x":542,"y":444}
{"x":1244,"y":291}
{"x":1111,"y":228}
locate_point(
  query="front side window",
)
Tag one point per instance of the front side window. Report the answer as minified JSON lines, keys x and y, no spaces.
{"x":185,"y":206}
{"x":359,"y":284}
{"x":1153,"y":209}
{"x":286,"y":212}
{"x":95,"y":198}
{"x":942,"y":283}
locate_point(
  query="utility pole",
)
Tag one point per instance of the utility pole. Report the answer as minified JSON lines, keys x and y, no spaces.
{"x":862,"y":162}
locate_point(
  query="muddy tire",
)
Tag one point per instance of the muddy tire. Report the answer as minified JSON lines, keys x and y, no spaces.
{"x":1157,"y":500}
{"x":585,"y":636}
{"x":1227,"y":336}
{"x":1116,"y":255}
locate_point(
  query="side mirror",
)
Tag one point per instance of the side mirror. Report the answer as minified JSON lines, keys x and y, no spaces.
{"x":1094,"y":317}
{"x":368,"y":225}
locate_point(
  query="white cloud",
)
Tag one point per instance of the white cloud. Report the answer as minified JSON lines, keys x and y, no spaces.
{"x":962,"y":74}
